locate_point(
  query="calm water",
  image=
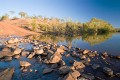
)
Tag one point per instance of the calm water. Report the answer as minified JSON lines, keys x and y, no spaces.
{"x":101,"y":43}
{"x":109,"y":42}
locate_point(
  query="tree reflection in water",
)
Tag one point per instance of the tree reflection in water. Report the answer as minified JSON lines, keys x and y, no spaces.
{"x":92,"y":39}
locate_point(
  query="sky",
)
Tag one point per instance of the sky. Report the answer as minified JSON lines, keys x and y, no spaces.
{"x":77,"y":10}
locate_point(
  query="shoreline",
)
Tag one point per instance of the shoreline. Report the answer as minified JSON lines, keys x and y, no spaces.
{"x":58,"y":61}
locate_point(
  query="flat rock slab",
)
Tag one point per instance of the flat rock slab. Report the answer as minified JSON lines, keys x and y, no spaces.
{"x":6,"y":74}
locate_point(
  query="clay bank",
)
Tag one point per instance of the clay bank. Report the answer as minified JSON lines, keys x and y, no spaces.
{"x":22,"y":58}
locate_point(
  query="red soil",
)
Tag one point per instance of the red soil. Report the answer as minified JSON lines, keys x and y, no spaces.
{"x":7,"y":28}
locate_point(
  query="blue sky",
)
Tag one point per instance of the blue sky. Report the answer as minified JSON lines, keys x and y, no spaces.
{"x":77,"y":10}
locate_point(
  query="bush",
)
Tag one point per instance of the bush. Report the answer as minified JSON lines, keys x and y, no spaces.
{"x":97,"y":25}
{"x":5,"y":17}
{"x":34,"y":24}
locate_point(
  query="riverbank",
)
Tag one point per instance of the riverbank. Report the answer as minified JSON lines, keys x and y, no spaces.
{"x":7,"y":27}
{"x":29,"y":59}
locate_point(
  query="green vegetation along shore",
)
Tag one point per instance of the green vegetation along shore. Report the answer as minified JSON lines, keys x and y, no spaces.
{"x":61,"y":26}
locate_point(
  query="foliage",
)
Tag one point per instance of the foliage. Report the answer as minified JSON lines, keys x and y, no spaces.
{"x":4,"y":17}
{"x":97,"y":25}
{"x":34,"y":24}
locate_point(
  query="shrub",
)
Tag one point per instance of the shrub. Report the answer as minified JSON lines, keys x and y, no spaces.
{"x":5,"y":17}
{"x":97,"y":25}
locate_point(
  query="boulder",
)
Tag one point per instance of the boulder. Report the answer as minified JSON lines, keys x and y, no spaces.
{"x":60,"y":49}
{"x":86,"y":51}
{"x":17,"y":56}
{"x":118,"y":57}
{"x":82,"y":57}
{"x":72,"y":75}
{"x":78,"y":65}
{"x":62,"y":63}
{"x":75,"y":74}
{"x":69,"y":77}
{"x":47,"y":70}
{"x":39,"y":51}
{"x":6,"y":49}
{"x":7,"y":74}
{"x":24,"y":64}
{"x":7,"y":58}
{"x":64,"y":70}
{"x":17,"y":51}
{"x":54,"y":59}
{"x":25,"y":53}
{"x":31,"y":55}
{"x":58,"y":54}
{"x":16,"y":40}
{"x":11,"y":41}
{"x":105,"y":54}
{"x":9,"y":54}
{"x":91,"y":54}
{"x":4,"y":53}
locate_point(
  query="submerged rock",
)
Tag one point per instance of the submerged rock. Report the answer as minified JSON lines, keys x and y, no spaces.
{"x":118,"y":75}
{"x":54,"y":65}
{"x":47,"y":70}
{"x":88,"y":76}
{"x":108,"y":71}
{"x":95,"y":66}
{"x":7,"y":74}
{"x":64,"y":70}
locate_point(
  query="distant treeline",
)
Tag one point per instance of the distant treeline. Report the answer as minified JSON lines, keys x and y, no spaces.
{"x":62,"y":26}
{"x":68,"y":27}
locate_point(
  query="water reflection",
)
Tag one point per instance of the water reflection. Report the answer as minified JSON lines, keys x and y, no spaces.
{"x":54,"y":38}
{"x":92,"y":39}
{"x":108,"y":42}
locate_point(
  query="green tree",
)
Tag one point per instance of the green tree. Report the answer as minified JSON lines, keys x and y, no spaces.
{"x":96,"y":25}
